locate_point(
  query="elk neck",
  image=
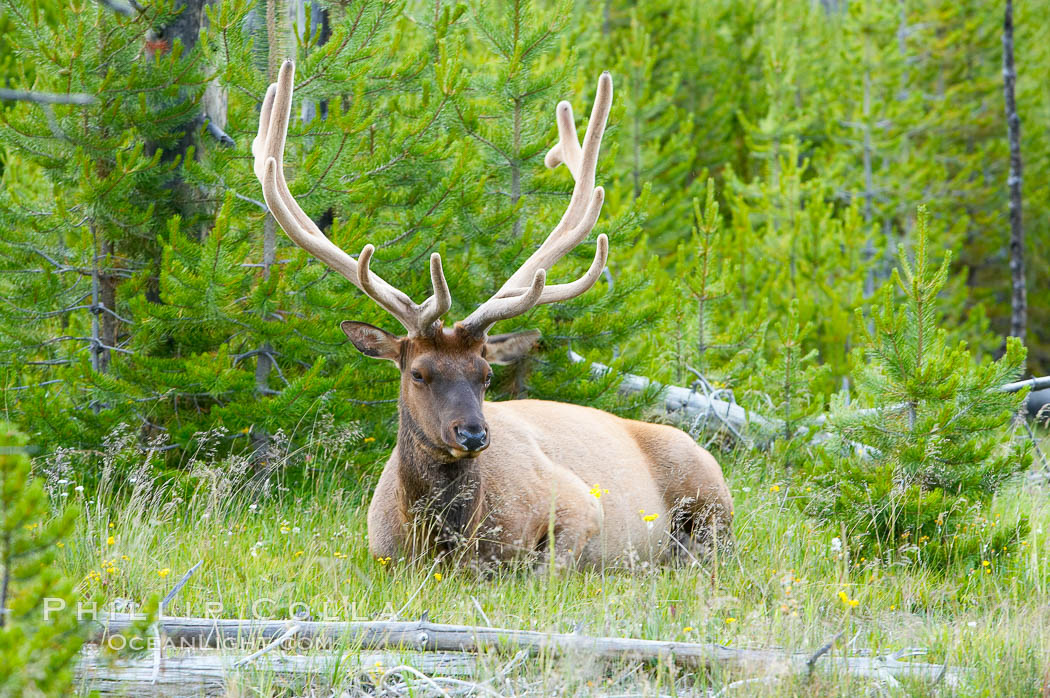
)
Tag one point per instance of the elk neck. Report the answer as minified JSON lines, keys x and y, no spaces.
{"x":445,"y":488}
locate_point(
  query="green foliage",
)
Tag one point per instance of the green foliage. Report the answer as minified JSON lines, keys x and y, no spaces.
{"x":40,"y":637}
{"x":92,"y":188}
{"x":419,"y":129}
{"x":705,"y":329}
{"x":796,"y":372}
{"x":144,"y":285}
{"x":934,"y":448}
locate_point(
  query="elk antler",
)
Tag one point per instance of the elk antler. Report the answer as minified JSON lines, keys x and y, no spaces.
{"x":526,"y":287}
{"x":268,"y":149}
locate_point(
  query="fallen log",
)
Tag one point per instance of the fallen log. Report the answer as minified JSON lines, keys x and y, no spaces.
{"x":758,"y":431}
{"x":423,"y":635}
{"x":721,"y":414}
{"x":209,"y":672}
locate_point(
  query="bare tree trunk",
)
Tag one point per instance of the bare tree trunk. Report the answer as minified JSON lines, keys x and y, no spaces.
{"x":515,"y":170}
{"x":108,"y":299}
{"x":1018,"y":298}
{"x":5,"y":578}
{"x":185,"y":27}
{"x":101,"y":288}
{"x":264,"y":356}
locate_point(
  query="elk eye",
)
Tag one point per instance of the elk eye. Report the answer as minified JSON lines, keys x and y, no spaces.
{"x":417,"y":377}
{"x":488,"y":379}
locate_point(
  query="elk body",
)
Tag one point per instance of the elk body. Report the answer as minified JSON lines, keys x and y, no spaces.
{"x":499,"y":480}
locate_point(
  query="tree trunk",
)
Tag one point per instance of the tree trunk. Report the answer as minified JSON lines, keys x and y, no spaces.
{"x":185,"y":28}
{"x":1018,"y":298}
{"x":107,"y":301}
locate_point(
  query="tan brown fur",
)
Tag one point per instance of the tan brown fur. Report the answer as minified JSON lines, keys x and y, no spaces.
{"x":543,"y":457}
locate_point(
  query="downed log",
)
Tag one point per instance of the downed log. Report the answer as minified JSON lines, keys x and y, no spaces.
{"x":691,"y":403}
{"x":757,"y":430}
{"x":423,"y":635}
{"x":208,"y":672}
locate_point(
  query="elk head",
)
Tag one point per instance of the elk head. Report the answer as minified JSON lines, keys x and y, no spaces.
{"x":445,"y":370}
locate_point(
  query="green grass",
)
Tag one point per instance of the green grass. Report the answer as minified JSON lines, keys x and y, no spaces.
{"x":784,"y":586}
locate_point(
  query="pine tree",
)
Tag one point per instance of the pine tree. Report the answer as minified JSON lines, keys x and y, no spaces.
{"x":790,"y":242}
{"x":872,"y":106}
{"x":719,"y":336}
{"x":84,"y":202}
{"x":519,"y":67}
{"x":796,"y":372}
{"x":40,"y":637}
{"x":374,"y":169}
{"x":935,"y":444}
{"x":653,"y":142}
{"x":221,"y":322}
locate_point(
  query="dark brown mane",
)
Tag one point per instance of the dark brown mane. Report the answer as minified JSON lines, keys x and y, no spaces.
{"x":442,"y":493}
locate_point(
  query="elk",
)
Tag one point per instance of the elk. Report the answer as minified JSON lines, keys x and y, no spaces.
{"x":501,"y":480}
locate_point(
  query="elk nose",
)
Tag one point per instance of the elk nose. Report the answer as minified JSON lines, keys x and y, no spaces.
{"x":472,"y":437}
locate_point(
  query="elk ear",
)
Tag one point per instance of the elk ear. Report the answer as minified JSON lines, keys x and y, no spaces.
{"x":372,"y":341}
{"x":503,"y":349}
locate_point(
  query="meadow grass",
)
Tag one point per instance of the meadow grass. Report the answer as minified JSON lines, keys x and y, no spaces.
{"x":786,"y":585}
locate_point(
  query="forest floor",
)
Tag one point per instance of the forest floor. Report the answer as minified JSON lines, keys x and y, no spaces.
{"x":785,"y":586}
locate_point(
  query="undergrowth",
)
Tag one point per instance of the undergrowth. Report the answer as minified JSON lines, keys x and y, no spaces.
{"x":269,"y":548}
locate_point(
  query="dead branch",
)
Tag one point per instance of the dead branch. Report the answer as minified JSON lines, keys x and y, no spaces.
{"x":45,"y":97}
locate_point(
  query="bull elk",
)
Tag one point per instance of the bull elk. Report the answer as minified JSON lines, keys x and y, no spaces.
{"x":499,"y":480}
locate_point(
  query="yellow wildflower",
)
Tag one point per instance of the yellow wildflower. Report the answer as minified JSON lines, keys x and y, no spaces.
{"x":774,"y":488}
{"x":369,"y":439}
{"x":111,"y":540}
{"x":164,"y":572}
{"x":437,"y":576}
{"x":730,"y":620}
{"x":597,"y":491}
{"x":687,"y":629}
{"x":650,"y":517}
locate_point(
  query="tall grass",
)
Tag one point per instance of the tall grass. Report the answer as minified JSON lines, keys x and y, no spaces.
{"x":284,"y":547}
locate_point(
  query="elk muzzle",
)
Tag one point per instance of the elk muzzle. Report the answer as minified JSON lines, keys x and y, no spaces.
{"x":471,"y":437}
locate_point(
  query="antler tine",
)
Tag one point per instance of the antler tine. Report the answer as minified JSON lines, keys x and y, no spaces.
{"x":425,"y":314}
{"x":268,"y":150}
{"x":439,"y":303}
{"x":564,"y":292}
{"x":581,"y":163}
{"x":567,"y":150}
{"x":495,"y":309}
{"x":575,"y":224}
